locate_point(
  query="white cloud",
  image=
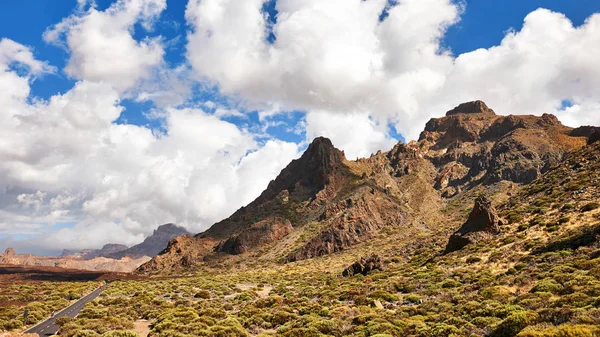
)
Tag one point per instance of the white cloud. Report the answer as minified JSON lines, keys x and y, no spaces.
{"x":65,"y":160}
{"x":102,"y":46}
{"x":357,"y":134}
{"x":336,"y":57}
{"x":534,"y":70}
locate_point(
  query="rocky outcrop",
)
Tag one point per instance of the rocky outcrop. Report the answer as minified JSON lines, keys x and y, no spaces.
{"x":349,"y":222}
{"x":481,"y":224}
{"x":592,"y":133}
{"x":9,"y":253}
{"x":152,"y":245}
{"x":472,"y":145}
{"x":475,"y":107}
{"x":182,"y":252}
{"x":364,"y":266}
{"x":256,"y":235}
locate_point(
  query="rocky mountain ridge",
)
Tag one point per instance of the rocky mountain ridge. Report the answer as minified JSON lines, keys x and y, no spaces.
{"x":333,"y":204}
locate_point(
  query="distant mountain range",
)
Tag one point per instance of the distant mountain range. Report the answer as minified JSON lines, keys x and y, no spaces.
{"x":111,"y":257}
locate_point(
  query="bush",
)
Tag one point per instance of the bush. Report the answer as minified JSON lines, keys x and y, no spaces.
{"x":514,"y":324}
{"x":120,"y":333}
{"x":205,"y":294}
{"x":547,"y":285}
{"x":86,"y":333}
{"x":590,"y":207}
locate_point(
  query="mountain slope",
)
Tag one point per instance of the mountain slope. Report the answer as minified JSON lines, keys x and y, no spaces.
{"x":333,"y":204}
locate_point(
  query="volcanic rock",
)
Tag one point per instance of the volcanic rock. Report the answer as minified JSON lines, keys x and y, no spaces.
{"x":333,"y":203}
{"x":474,"y":107}
{"x":257,"y":234}
{"x":481,"y":224}
{"x":363,"y":266}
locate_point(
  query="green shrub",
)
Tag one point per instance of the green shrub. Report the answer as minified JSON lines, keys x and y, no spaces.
{"x":548,"y":285}
{"x":590,"y":207}
{"x":514,"y":324}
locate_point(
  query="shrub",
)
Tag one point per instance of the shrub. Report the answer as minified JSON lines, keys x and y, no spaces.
{"x":514,"y":324}
{"x":86,"y":333}
{"x":548,"y":285}
{"x":384,"y":295}
{"x":205,"y":294}
{"x":120,"y":333}
{"x":590,"y":207}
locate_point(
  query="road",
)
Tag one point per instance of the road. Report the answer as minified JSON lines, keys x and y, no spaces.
{"x":49,"y":327}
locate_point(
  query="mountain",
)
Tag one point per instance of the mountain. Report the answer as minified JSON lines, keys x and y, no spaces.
{"x":111,"y":257}
{"x":108,"y":248}
{"x":10,"y":257}
{"x":323,"y":203}
{"x":151,"y":246}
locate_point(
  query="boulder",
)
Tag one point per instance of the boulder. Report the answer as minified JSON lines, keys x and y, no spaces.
{"x":481,"y":224}
{"x":363,"y":266}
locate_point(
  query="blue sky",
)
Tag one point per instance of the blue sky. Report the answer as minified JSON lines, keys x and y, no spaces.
{"x":123,"y":91}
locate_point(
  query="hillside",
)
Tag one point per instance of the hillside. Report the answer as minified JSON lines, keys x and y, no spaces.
{"x":323,"y":203}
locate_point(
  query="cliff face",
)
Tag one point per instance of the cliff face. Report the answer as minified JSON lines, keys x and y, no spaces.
{"x":322,"y":203}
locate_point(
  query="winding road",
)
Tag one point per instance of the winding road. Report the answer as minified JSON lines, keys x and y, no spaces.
{"x":49,"y":326}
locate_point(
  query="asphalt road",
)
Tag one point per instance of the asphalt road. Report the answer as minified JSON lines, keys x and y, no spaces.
{"x":49,"y":327}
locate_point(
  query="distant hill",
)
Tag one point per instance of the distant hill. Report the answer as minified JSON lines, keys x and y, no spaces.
{"x":108,"y":248}
{"x":152,"y":245}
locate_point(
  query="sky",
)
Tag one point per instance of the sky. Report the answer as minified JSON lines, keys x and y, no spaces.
{"x":122,"y":115}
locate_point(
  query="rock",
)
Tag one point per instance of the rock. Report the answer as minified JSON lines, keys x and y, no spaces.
{"x":10,"y":252}
{"x":481,"y":224}
{"x":474,"y":107}
{"x":260,"y":233}
{"x":594,"y":138}
{"x":364,"y":266}
{"x":349,"y":222}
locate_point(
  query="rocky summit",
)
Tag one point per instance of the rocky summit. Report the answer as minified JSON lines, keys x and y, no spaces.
{"x":322,"y":203}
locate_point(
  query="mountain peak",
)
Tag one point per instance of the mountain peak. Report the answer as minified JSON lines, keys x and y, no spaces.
{"x":10,"y":252}
{"x":474,"y":107}
{"x":310,"y":173}
{"x":168,"y":229}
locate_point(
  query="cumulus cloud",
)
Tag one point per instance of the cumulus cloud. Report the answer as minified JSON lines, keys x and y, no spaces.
{"x":340,"y":57}
{"x":65,"y":160}
{"x":102,"y":46}
{"x":335,"y":56}
{"x":534,"y":70}
{"x":358,"y":134}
